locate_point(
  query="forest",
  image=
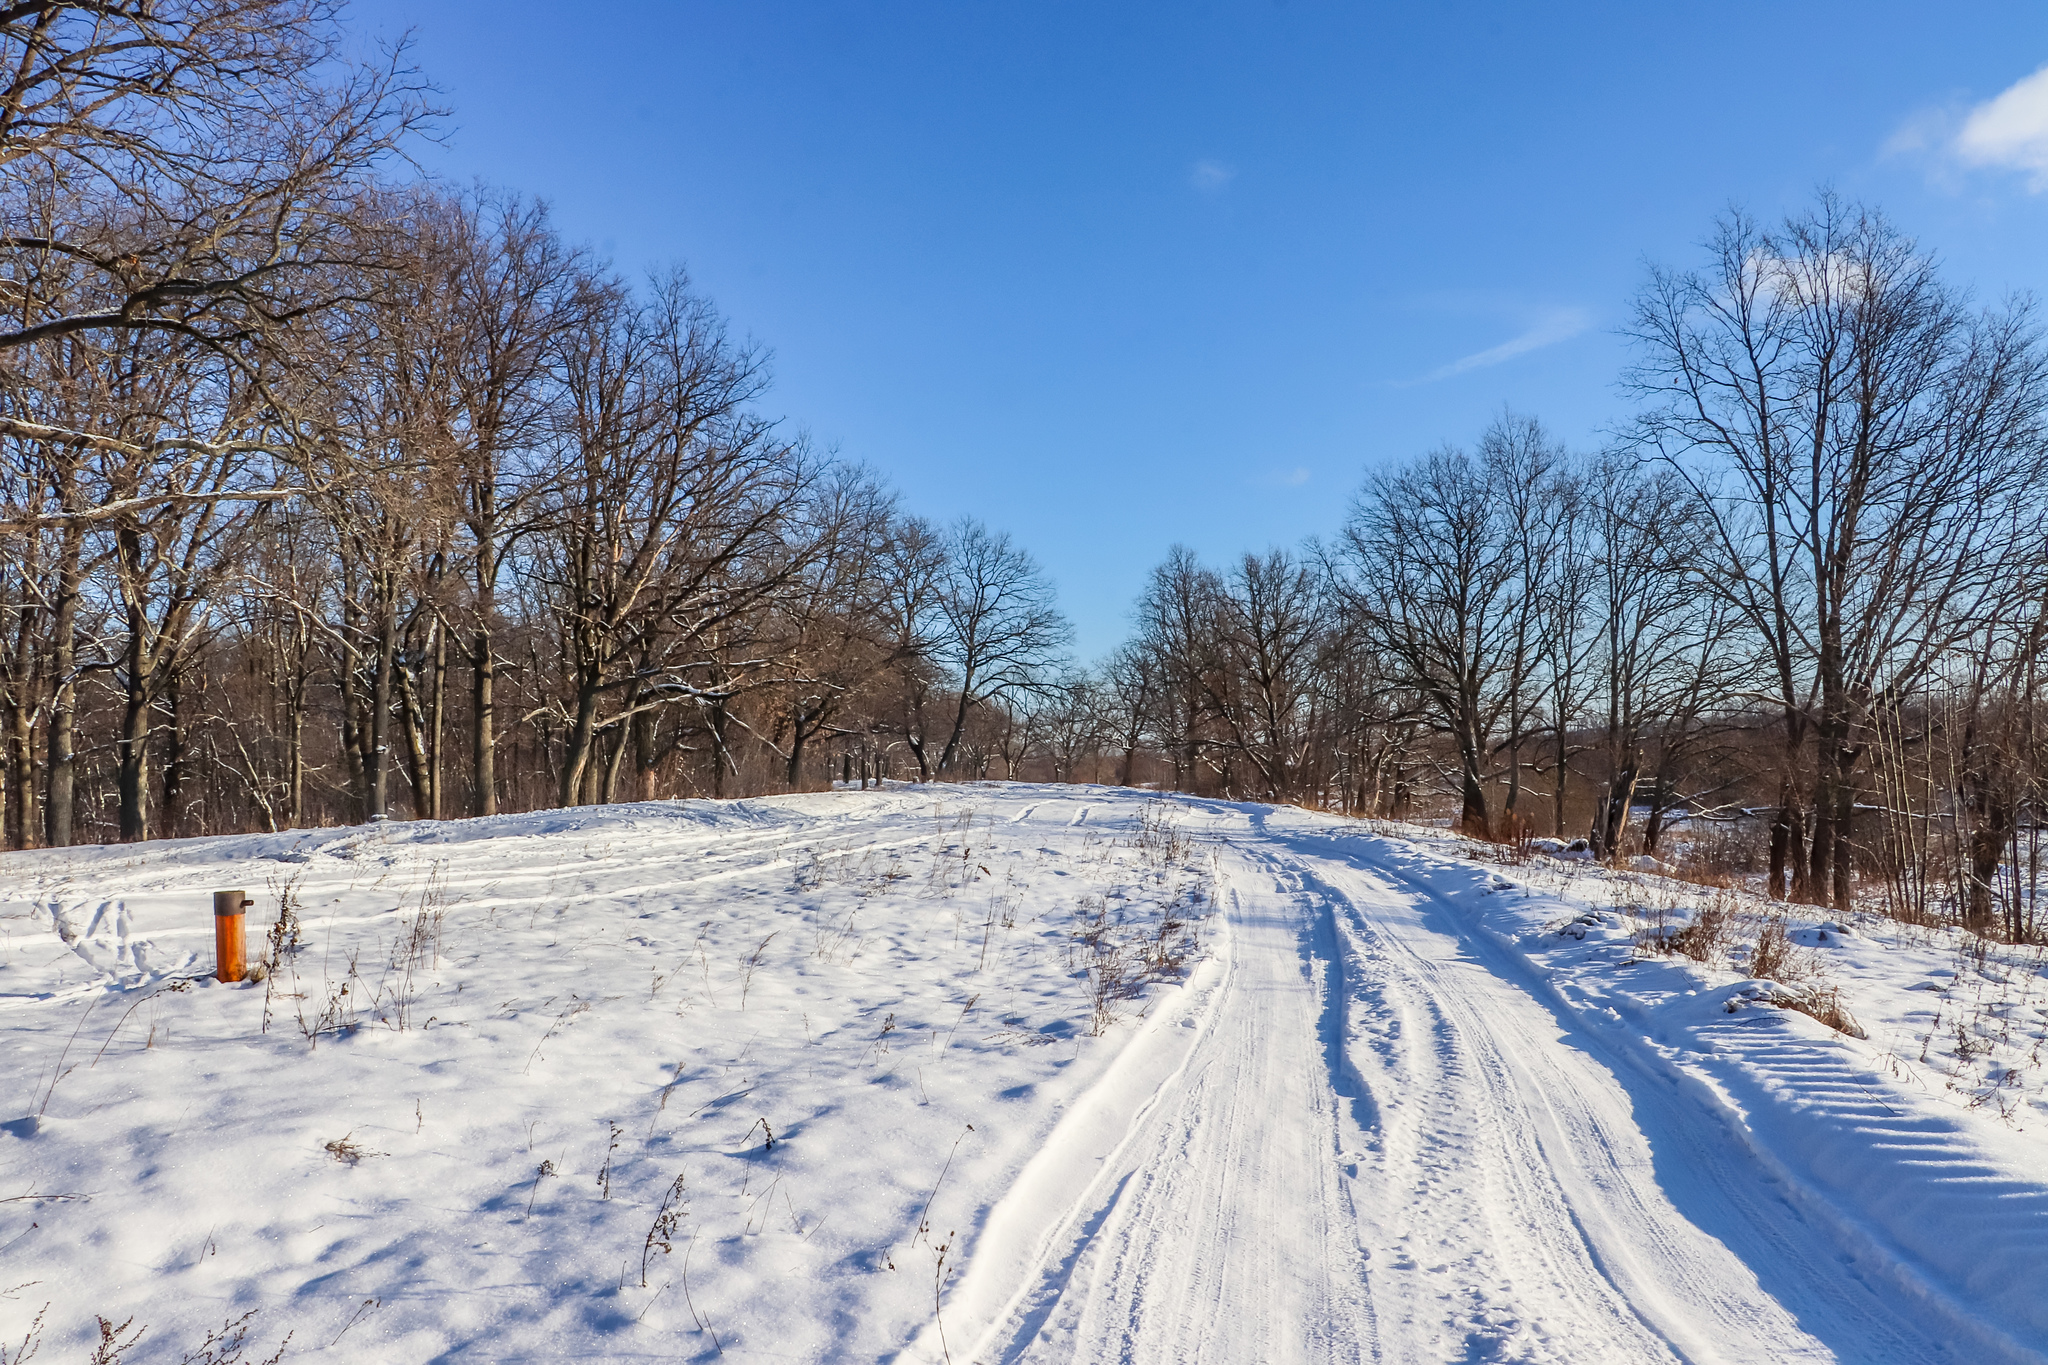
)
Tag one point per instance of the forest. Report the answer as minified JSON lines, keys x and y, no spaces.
{"x":332,"y":494}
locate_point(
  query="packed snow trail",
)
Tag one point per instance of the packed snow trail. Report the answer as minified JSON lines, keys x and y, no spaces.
{"x":1387,"y":1144}
{"x":1220,"y":1229}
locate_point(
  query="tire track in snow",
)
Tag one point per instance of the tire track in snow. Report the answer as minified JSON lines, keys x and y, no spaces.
{"x":122,"y":956}
{"x":1219,"y":1228}
{"x":1475,"y":1253}
{"x":1706,"y":1241}
{"x":1390,"y":1142}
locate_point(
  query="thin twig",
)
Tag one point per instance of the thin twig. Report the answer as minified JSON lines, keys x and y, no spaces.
{"x":703,"y":1323}
{"x":922,"y":1224}
{"x":61,"y":1073}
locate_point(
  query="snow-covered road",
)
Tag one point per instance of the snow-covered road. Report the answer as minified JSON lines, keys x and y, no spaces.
{"x":851,"y":1076}
{"x":1390,"y":1141}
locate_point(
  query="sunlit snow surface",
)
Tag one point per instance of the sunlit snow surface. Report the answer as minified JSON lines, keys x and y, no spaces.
{"x":1344,"y":1097}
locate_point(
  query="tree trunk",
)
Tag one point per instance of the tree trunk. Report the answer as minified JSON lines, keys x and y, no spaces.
{"x":794,"y":778}
{"x":1845,"y":830}
{"x":953,"y":739}
{"x":295,"y":737}
{"x":576,"y":754}
{"x":377,"y":762}
{"x":1820,"y":859}
{"x":1472,"y":818}
{"x":133,"y":748}
{"x":1563,"y":757}
{"x":645,"y":756}
{"x":614,"y":762}
{"x":63,"y":739}
{"x":718,"y":755}
{"x":418,"y":761}
{"x":21,"y":773}
{"x":1654,"y":829}
{"x":1788,"y":835}
{"x":1992,"y":829}
{"x":437,"y":717}
{"x":1612,"y":826}
{"x":353,"y":746}
{"x":483,"y":738}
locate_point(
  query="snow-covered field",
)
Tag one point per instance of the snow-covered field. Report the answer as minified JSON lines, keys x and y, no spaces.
{"x":994,"y":1073}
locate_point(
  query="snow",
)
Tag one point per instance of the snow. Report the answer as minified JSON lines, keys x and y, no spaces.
{"x":998,"y":1073}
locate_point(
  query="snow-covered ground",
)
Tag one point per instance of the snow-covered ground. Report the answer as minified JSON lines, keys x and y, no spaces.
{"x":995,"y":1073}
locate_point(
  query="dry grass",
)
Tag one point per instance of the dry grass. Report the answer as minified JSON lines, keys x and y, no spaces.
{"x":222,"y":1347}
{"x":31,"y":1341}
{"x":1700,"y":874}
{"x":1717,"y":853}
{"x":414,"y":951}
{"x":1823,"y":1003}
{"x":347,"y":1150}
{"x":1160,"y":841}
{"x":661,"y":1236}
{"x":1774,"y":958}
{"x":1513,"y":839}
{"x":1711,"y":934}
{"x":115,"y":1342}
{"x":225,"y":1346}
{"x":1705,"y":937}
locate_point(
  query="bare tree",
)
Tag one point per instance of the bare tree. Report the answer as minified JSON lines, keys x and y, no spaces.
{"x":1432,"y":571}
{"x":1001,"y":631}
{"x":1857,"y":439}
{"x":516,"y":291}
{"x":1270,"y":613}
{"x":834,"y":612}
{"x":1532,"y":478}
{"x":1132,"y":685}
{"x":1177,"y":626}
{"x":1660,"y":634}
{"x":667,"y":524}
{"x":46,"y":488}
{"x":186,"y":167}
{"x":914,"y":562}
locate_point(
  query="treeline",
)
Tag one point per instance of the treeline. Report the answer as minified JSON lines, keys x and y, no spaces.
{"x":1801,"y":603}
{"x":498,"y":531}
{"x":327,"y":494}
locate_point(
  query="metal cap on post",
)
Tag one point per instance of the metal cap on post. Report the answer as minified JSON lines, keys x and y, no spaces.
{"x":230,"y":944}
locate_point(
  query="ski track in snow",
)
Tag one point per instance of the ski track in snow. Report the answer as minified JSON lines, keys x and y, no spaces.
{"x":1369,"y":1127}
{"x":1388,"y":1146}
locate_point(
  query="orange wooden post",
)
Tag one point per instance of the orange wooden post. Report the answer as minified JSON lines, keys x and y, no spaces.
{"x":230,"y":944}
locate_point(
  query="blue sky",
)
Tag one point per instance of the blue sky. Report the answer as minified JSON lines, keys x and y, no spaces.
{"x":1115,"y":276}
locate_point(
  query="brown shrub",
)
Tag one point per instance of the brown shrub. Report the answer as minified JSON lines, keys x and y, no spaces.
{"x":1823,"y":1003}
{"x":1773,"y":958}
{"x":1699,"y":874}
{"x":1707,"y":934}
{"x":1513,"y":838}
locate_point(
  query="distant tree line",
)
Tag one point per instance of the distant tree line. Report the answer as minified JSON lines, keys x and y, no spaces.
{"x":331,"y":494}
{"x":1806,"y":591}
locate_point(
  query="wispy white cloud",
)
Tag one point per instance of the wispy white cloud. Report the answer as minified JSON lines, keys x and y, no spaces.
{"x":2010,"y":130}
{"x":1558,"y":324}
{"x":1211,"y":176}
{"x":2007,"y":132}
